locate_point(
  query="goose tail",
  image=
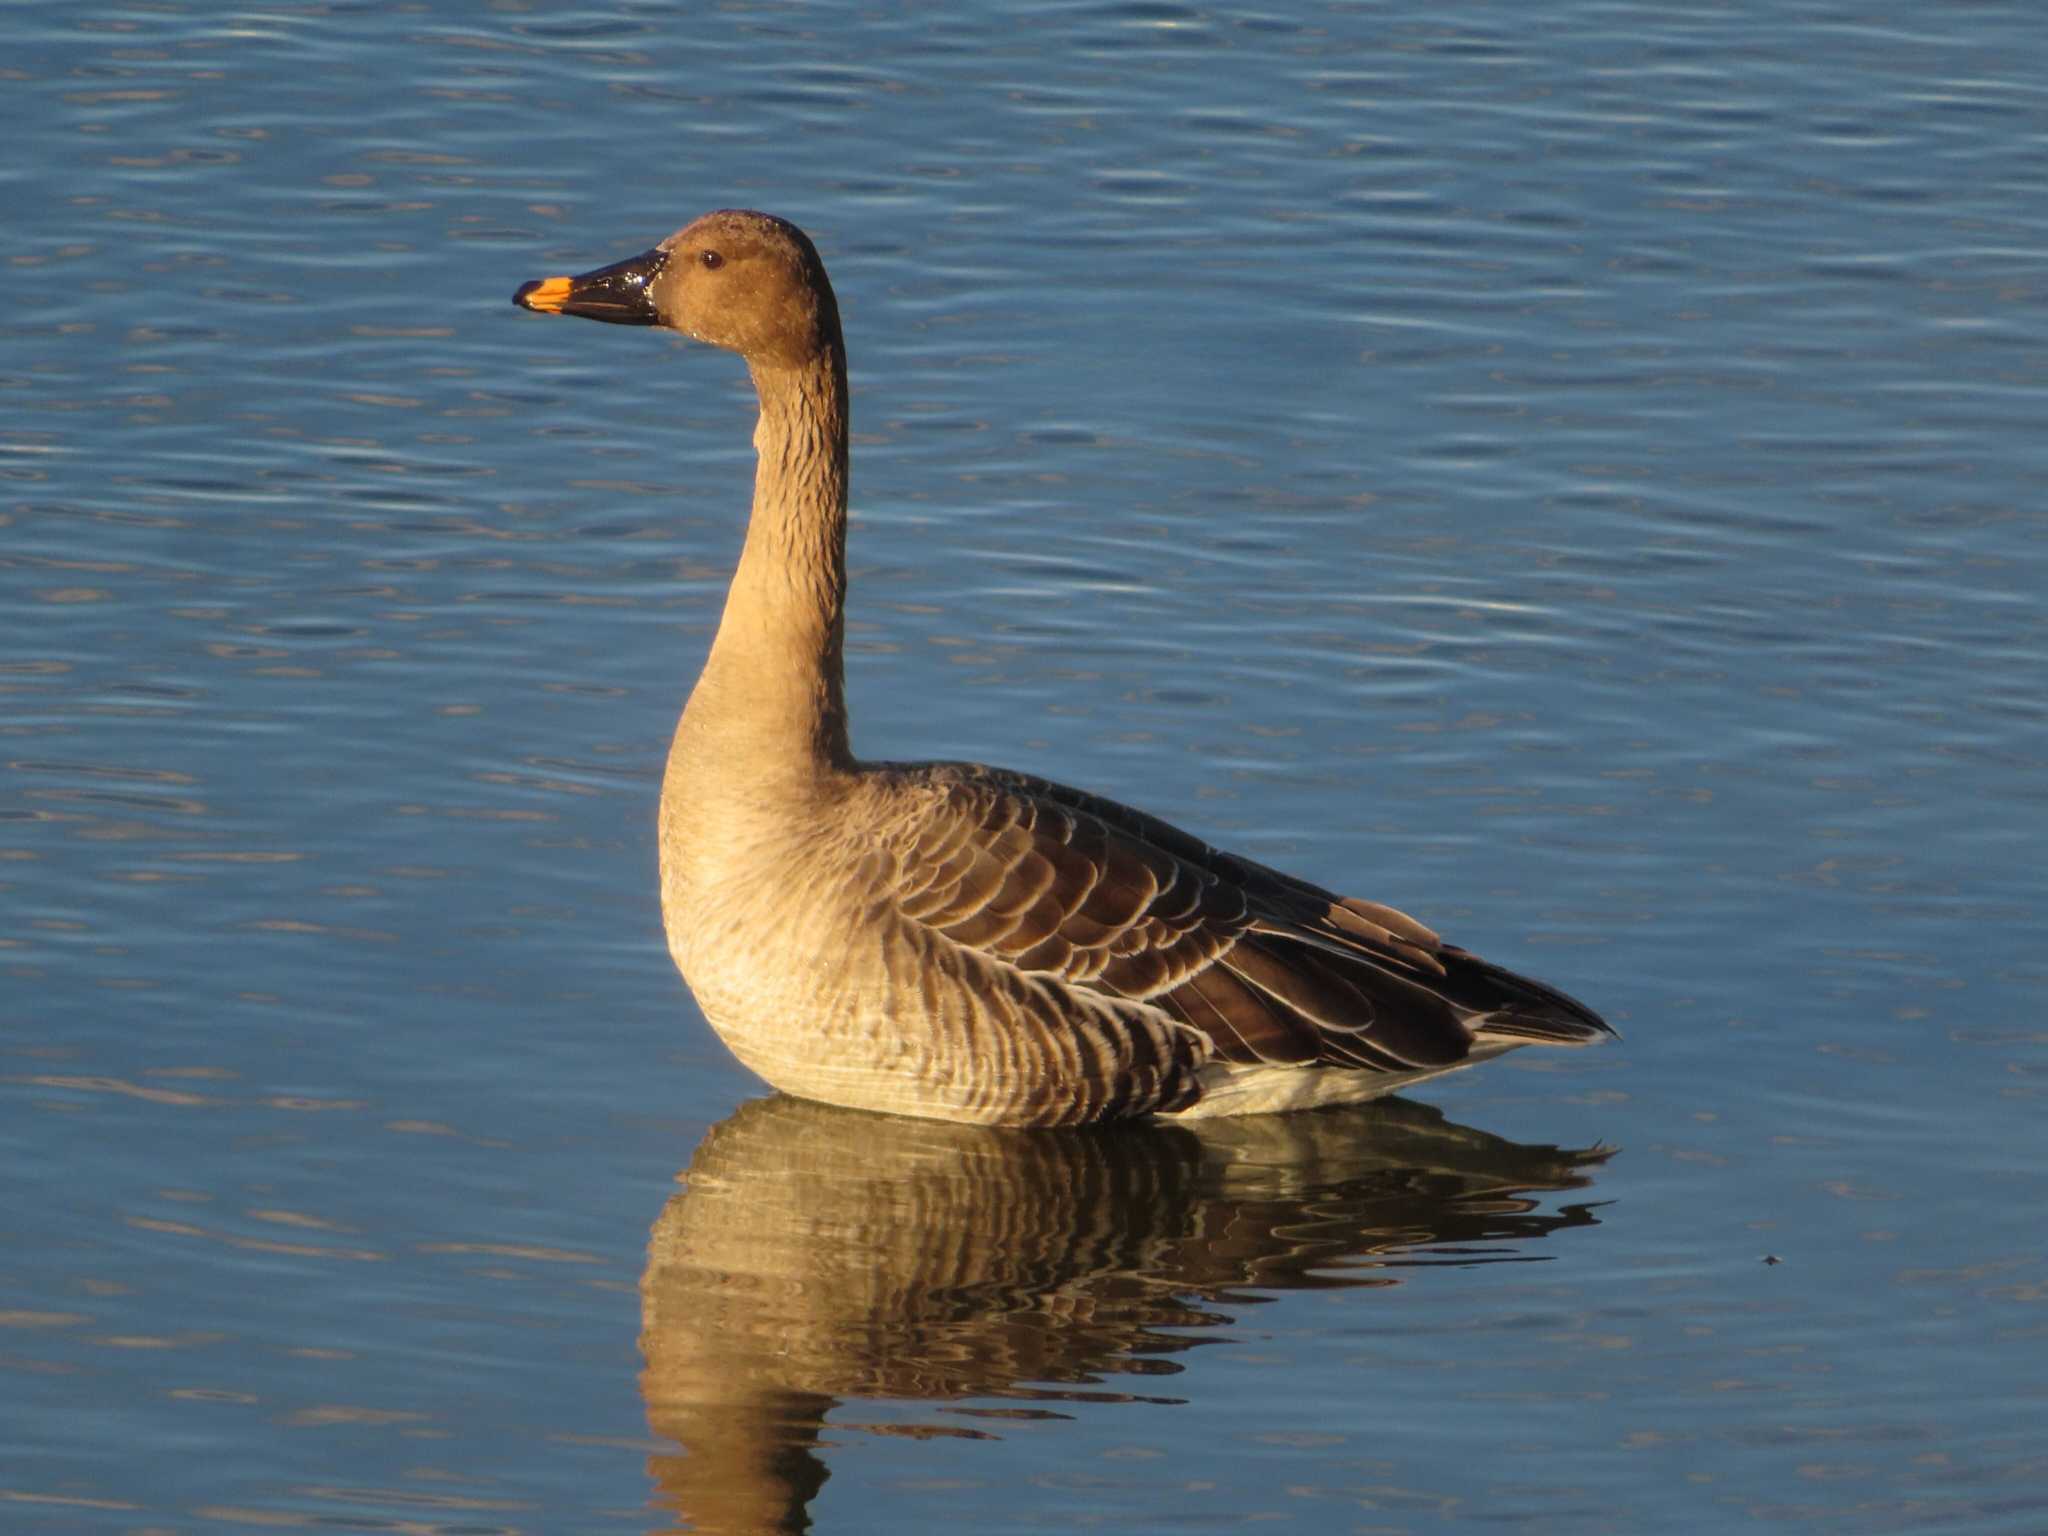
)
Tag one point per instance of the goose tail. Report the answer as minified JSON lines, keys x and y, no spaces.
{"x":1531,"y":1010}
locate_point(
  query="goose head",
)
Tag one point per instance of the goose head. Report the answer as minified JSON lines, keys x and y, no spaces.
{"x":745,"y":281}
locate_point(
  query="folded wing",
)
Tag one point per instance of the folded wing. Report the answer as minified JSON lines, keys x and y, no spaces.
{"x":1096,"y":898}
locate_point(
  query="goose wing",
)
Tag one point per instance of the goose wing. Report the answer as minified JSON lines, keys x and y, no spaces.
{"x":1265,"y":968}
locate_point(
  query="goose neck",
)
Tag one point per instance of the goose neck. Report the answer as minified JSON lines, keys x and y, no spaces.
{"x":772,"y":697}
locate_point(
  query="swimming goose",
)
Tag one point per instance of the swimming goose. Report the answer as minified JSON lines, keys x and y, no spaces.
{"x":961,"y":942}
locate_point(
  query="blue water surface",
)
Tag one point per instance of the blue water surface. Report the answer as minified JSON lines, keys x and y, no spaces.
{"x":1575,"y":473}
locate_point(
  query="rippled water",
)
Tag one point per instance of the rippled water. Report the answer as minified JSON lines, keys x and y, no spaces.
{"x":1577,"y":477}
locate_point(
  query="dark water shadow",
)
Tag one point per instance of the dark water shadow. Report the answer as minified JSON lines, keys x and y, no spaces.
{"x":818,"y":1255}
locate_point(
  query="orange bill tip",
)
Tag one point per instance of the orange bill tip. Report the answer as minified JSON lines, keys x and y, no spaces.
{"x":545,"y":295}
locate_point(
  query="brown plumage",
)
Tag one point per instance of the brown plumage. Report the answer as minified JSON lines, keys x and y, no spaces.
{"x":961,"y":942}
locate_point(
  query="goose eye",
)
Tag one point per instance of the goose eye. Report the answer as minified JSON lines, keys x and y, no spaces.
{"x":711,"y":259}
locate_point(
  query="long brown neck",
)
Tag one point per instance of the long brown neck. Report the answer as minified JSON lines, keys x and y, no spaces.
{"x":772,"y":700}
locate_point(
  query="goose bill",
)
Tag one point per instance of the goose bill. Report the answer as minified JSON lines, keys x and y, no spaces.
{"x":620,"y":294}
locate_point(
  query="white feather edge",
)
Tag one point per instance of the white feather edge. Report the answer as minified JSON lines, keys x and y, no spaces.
{"x":1232,"y":1089}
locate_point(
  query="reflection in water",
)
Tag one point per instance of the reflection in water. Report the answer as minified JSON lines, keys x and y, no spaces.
{"x":819,"y":1254}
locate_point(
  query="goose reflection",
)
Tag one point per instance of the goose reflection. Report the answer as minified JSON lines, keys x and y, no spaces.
{"x":820,"y":1254}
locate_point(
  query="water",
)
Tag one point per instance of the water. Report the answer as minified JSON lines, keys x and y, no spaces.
{"x":1578,"y":479}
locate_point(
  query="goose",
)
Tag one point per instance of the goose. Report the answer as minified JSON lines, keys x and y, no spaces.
{"x":950,"y":940}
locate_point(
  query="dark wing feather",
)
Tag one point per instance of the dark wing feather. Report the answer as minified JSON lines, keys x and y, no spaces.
{"x":1265,"y":967}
